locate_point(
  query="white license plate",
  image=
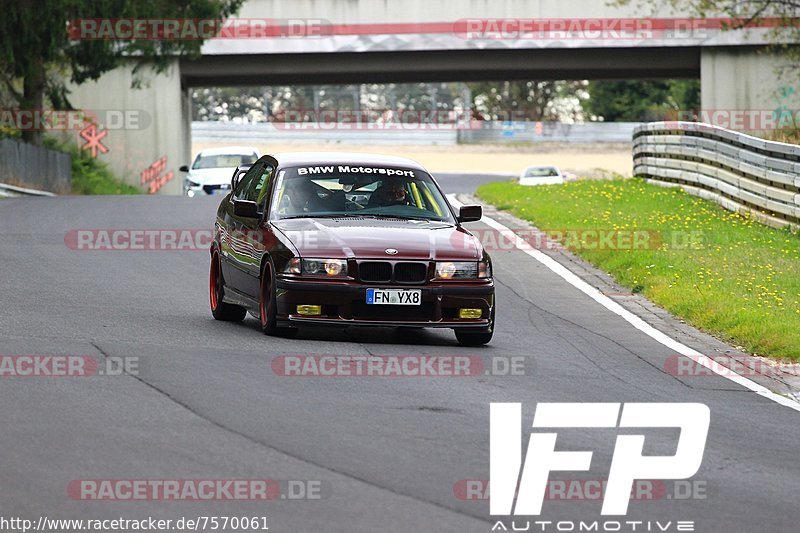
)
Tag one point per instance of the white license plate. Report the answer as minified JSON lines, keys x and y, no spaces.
{"x":394,"y":296}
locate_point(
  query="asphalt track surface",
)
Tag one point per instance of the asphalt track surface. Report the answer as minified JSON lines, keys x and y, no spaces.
{"x":388,"y":452}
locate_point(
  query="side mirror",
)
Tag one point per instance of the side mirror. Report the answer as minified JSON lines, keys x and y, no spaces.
{"x":184,"y":168}
{"x":245,"y":208}
{"x":470,"y":213}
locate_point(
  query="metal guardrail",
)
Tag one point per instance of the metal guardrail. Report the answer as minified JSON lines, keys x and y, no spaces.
{"x":9,"y":191}
{"x":531,"y":131}
{"x":501,"y":132}
{"x":738,"y":171}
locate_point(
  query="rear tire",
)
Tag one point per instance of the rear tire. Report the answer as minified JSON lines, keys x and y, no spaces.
{"x":466,"y":337}
{"x":268,"y":307}
{"x":216,"y":290}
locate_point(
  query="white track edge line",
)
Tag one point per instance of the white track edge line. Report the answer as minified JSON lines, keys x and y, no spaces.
{"x":628,"y":316}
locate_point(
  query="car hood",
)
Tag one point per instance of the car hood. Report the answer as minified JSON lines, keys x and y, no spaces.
{"x":211,"y":176}
{"x":370,"y":238}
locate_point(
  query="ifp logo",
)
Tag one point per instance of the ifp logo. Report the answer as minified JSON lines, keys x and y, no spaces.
{"x":627,"y":462}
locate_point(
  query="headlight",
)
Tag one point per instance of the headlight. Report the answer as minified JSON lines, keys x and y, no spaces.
{"x":190,"y":183}
{"x":463,"y":270}
{"x":331,"y":268}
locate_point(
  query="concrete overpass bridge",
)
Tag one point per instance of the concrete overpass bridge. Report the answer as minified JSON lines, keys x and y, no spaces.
{"x":361,"y":41}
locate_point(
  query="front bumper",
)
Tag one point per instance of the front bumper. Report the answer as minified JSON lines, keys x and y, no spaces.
{"x":344,"y":304}
{"x":206,"y":190}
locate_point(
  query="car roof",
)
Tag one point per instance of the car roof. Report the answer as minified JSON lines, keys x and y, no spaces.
{"x":317,"y":158}
{"x":542,"y":166}
{"x":230,"y":150}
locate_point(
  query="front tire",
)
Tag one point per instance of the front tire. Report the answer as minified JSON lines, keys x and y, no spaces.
{"x":268,"y":306}
{"x":216,"y":290}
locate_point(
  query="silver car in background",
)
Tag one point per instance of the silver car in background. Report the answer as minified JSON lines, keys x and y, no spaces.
{"x":211,"y":170}
{"x":541,"y":175}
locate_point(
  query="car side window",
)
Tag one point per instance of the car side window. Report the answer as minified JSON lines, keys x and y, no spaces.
{"x":259,"y":192}
{"x":245,"y":184}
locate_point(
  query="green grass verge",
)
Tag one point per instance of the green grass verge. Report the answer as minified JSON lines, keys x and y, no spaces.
{"x":90,"y":176}
{"x":739,"y":280}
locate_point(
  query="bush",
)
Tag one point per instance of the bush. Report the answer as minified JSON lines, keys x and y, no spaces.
{"x":90,"y":176}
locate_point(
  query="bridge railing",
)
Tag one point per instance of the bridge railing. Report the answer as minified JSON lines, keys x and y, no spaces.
{"x":740,"y":172}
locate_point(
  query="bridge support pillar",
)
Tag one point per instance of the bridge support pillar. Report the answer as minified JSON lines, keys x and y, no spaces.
{"x":743,"y":88}
{"x":147,"y":130}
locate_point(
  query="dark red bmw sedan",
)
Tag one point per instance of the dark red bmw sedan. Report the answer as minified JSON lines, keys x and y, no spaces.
{"x":348,"y":240}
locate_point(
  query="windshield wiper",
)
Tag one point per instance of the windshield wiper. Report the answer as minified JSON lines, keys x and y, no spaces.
{"x":309,"y":215}
{"x":362,"y":215}
{"x":399,"y":217}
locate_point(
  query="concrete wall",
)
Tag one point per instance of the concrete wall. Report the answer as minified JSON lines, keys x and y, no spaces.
{"x":746,"y":79}
{"x":156,"y":124}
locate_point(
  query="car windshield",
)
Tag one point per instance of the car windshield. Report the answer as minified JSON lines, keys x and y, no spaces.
{"x":539,"y":172}
{"x":348,"y":190}
{"x":223,"y":161}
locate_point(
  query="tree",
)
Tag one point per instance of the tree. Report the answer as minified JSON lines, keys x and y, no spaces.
{"x":37,"y":52}
{"x":744,"y":12}
{"x":525,"y":100}
{"x":635,"y":100}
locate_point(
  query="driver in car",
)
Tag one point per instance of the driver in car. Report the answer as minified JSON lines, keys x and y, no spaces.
{"x":303,"y":197}
{"x":390,"y":193}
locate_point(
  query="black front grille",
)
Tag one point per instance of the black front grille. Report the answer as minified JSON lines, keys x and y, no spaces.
{"x":375,"y":271}
{"x":410,"y":272}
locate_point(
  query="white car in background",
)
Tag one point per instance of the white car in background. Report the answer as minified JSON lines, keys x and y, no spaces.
{"x":541,"y":175}
{"x":212,"y":169}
